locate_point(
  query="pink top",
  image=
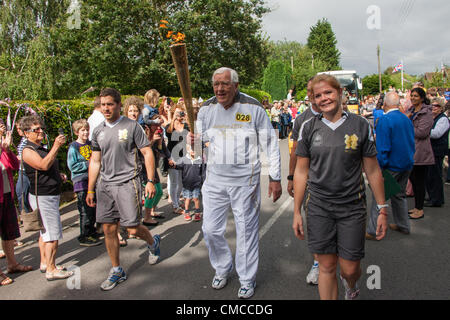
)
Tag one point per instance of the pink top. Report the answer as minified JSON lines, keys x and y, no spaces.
{"x":11,"y":163}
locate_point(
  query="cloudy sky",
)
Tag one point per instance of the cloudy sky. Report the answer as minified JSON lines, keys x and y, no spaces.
{"x":415,"y":31}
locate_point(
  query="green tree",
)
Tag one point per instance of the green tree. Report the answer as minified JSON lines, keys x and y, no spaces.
{"x":223,"y":33}
{"x":437,"y":80}
{"x":322,"y":41}
{"x":27,"y":64}
{"x":23,"y":20}
{"x":276,"y":77}
{"x":389,"y":71}
{"x":299,"y":56}
{"x":408,"y":80}
{"x":120,"y":44}
{"x":371,"y":84}
{"x":305,"y":68}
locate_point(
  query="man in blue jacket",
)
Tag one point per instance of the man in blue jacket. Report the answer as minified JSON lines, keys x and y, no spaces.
{"x":396,"y":148}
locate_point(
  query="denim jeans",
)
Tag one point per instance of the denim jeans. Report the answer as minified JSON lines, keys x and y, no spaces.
{"x":22,"y":190}
{"x":87,"y":216}
{"x":399,"y":206}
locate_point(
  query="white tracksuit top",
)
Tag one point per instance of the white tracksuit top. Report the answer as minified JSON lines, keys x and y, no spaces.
{"x":236,"y":136}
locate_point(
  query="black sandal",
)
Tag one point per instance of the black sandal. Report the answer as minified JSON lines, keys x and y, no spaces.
{"x":122,"y":241}
{"x":149,"y":224}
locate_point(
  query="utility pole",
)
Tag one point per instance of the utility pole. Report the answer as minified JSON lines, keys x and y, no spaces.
{"x":379,"y":68}
{"x":292,"y":64}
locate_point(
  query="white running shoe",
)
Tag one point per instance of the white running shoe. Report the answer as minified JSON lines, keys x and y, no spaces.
{"x":221,"y":281}
{"x":350,"y":294}
{"x":246,"y":291}
{"x":313,"y":275}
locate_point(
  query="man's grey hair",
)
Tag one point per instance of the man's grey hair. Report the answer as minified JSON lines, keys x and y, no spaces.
{"x":234,"y":74}
{"x":391,"y":99}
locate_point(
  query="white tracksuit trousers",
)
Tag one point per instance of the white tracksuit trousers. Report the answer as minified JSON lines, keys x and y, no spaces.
{"x":245,"y":203}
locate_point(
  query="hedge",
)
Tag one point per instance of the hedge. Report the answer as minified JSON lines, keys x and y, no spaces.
{"x":257,"y":94}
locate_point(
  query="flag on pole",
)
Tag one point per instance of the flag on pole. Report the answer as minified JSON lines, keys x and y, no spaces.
{"x":398,"y":67}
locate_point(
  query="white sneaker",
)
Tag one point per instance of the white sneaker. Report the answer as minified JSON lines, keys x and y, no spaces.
{"x":313,"y":275}
{"x":221,"y":281}
{"x":350,"y":294}
{"x":246,"y":291}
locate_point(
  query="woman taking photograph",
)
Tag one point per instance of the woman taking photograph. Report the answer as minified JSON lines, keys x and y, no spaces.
{"x":175,"y":132}
{"x":164,"y":111}
{"x":333,"y":149}
{"x":43,"y":162}
{"x":422,"y":117}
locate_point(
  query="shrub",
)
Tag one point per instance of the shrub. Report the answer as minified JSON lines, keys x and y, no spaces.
{"x":257,"y":94}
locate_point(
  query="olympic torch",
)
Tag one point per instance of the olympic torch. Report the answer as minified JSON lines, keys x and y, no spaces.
{"x":179,"y":57}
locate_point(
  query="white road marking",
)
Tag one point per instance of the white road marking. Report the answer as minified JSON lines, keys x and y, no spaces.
{"x":275,"y":217}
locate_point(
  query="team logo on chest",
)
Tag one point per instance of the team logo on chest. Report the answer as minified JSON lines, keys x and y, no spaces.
{"x":317,"y":140}
{"x":123,"y":135}
{"x":243,"y":117}
{"x":351,"y":142}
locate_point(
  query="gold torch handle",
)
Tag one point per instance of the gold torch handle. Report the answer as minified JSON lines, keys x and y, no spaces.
{"x":179,"y":57}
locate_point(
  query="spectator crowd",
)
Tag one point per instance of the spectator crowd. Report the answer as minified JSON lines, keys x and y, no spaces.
{"x":409,"y":134}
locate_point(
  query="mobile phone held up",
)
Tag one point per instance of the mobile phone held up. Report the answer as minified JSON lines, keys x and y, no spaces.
{"x":61,"y":131}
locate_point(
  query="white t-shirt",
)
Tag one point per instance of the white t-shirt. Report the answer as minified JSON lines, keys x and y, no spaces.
{"x":94,"y":120}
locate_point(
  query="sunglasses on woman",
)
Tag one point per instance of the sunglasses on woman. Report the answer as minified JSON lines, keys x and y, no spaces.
{"x":36,"y":129}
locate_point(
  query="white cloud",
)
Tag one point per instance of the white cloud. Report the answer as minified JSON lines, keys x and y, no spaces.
{"x":416,"y":31}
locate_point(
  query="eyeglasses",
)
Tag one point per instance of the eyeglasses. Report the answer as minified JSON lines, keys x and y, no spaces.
{"x":36,"y":129}
{"x":436,"y":105}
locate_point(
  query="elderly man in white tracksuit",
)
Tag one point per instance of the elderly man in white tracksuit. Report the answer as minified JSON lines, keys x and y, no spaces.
{"x":235,"y":127}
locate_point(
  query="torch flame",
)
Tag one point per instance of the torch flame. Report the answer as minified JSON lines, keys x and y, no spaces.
{"x":176,"y":37}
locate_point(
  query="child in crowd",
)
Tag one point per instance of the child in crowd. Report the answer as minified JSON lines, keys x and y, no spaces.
{"x":78,"y":162}
{"x":193,"y":172}
{"x":151,"y":100}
